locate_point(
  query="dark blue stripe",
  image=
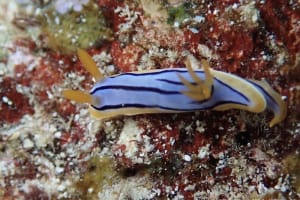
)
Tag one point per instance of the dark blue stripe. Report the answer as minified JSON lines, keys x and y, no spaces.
{"x":135,"y":88}
{"x":103,"y":108}
{"x":221,"y":82}
{"x":264,"y":91}
{"x":177,"y":83}
{"x":155,"y":72}
{"x":171,"y":82}
{"x":174,"y":82}
{"x":234,"y":90}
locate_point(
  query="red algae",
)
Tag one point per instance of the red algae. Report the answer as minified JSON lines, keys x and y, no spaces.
{"x":74,"y":135}
{"x":113,"y":18}
{"x":281,"y":18}
{"x":65,"y":109}
{"x":198,"y":140}
{"x":46,"y":74}
{"x":13,"y":104}
{"x":125,"y":58}
{"x":25,"y":42}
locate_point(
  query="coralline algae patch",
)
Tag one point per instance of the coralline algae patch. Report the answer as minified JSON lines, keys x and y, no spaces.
{"x":50,"y":148}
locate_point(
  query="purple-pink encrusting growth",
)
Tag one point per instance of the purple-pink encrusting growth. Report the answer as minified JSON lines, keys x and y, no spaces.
{"x":62,"y":6}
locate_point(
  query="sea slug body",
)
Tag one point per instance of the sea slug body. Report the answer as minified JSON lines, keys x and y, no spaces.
{"x":175,"y":90}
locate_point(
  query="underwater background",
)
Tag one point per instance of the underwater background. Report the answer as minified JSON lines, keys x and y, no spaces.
{"x":51,"y":148}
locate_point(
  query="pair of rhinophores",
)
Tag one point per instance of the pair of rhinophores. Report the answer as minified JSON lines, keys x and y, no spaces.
{"x":175,"y":90}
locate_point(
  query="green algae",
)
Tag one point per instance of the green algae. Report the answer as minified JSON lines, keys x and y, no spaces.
{"x":291,"y":165}
{"x":178,"y":14}
{"x":66,"y":32}
{"x":100,"y":173}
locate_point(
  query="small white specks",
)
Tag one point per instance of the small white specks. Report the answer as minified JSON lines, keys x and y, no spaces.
{"x":76,"y":117}
{"x":264,"y":57}
{"x":61,"y":62}
{"x":6,"y":100}
{"x":129,"y":137}
{"x":249,"y":13}
{"x":221,"y":164}
{"x":216,"y":11}
{"x":254,"y":18}
{"x":168,"y":127}
{"x":3,"y":69}
{"x":235,"y":6}
{"x":73,"y":40}
{"x":199,"y":19}
{"x":6,"y":168}
{"x":148,"y":146}
{"x":61,"y":187}
{"x":41,"y":139}
{"x":90,"y":190}
{"x":49,"y":94}
{"x":71,"y":75}
{"x":282,"y":184}
{"x":62,"y":155}
{"x":190,"y":187}
{"x":157,"y":191}
{"x":129,"y":15}
{"x":193,"y":30}
{"x":200,"y":126}
{"x":203,"y":151}
{"x":206,"y":52}
{"x":172,"y":141}
{"x":57,"y":134}
{"x":59,"y":170}
{"x":28,"y":144}
{"x":57,"y":20}
{"x":176,"y":24}
{"x":284,"y":98}
{"x":187,"y":158}
{"x":261,"y":188}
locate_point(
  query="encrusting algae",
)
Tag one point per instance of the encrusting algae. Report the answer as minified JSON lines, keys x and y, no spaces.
{"x":68,"y":31}
{"x":100,"y":172}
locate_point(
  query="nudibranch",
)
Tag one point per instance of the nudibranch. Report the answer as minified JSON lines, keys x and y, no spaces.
{"x":175,"y":90}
